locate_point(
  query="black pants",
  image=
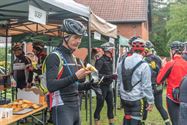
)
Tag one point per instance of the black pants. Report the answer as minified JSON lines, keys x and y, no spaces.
{"x":173,"y":110}
{"x":132,"y":109}
{"x":183,"y":113}
{"x":67,"y":114}
{"x":107,"y":94}
{"x":132,"y":122}
{"x":159,"y":105}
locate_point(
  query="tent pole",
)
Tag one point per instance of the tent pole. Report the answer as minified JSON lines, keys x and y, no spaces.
{"x":115,"y":65}
{"x":89,"y":60}
{"x":114,"y":81}
{"x":86,"y":105}
{"x":6,"y":48}
{"x":6,"y":56}
{"x":37,"y":28}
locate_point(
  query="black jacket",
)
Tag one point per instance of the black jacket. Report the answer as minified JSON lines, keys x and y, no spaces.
{"x":68,"y":84}
{"x":183,"y":92}
{"x":104,"y":66}
{"x":154,"y":72}
{"x":22,"y":76}
{"x":41,"y":58}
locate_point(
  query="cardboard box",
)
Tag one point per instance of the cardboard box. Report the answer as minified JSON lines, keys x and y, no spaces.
{"x":31,"y":96}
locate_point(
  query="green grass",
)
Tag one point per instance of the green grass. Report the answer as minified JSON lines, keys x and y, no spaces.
{"x":154,"y":117}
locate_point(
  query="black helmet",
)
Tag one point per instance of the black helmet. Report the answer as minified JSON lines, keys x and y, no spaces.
{"x":177,"y":46}
{"x":39,"y":46}
{"x":132,"y":39}
{"x":72,"y":26}
{"x":17,"y":46}
{"x":149,"y":45}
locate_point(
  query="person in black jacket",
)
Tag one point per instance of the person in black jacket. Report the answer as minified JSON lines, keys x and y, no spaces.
{"x":183,"y":102}
{"x":39,"y":52}
{"x":105,"y":69}
{"x":155,"y":64}
{"x":65,"y":97}
{"x":22,"y":65}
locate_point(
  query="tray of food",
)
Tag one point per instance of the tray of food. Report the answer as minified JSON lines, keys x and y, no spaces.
{"x":21,"y":106}
{"x":23,"y":111}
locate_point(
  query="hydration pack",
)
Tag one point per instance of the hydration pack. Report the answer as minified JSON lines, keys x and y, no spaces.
{"x":127,"y":76}
{"x":43,"y":82}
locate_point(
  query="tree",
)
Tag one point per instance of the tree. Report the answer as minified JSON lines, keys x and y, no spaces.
{"x":158,"y":35}
{"x":2,"y":55}
{"x":177,"y":23}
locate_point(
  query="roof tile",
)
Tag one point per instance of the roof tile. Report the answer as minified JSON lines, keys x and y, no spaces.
{"x":119,"y":10}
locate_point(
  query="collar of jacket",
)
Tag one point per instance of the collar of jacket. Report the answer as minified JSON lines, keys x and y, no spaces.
{"x":137,"y":55}
{"x":177,"y":57}
{"x":65,"y":50}
{"x":21,"y":56}
{"x":41,"y":54}
{"x":106,"y":57}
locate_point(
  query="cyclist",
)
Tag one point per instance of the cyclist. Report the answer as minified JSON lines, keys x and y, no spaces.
{"x":173,"y":71}
{"x":155,"y":64}
{"x":65,"y":99}
{"x":141,"y":82}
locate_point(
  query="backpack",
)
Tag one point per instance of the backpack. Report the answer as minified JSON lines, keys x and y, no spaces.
{"x":127,"y":76}
{"x":43,"y":83}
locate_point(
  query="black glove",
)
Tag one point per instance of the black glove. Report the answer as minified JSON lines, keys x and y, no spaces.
{"x":113,"y":76}
{"x":97,"y":89}
{"x":91,"y":85}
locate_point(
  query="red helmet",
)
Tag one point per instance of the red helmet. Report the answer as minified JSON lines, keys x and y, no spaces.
{"x":138,"y":44}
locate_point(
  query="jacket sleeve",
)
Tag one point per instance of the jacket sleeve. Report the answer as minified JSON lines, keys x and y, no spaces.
{"x":84,"y":86}
{"x":52,"y":67}
{"x":147,"y":85}
{"x":164,"y":72}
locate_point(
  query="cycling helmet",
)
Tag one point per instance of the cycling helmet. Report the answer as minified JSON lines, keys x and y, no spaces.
{"x":132,"y":39}
{"x":17,"y":46}
{"x":105,"y":49}
{"x":177,"y":46}
{"x":71,"y":26}
{"x":39,"y":46}
{"x":149,"y":45}
{"x":138,"y":44}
